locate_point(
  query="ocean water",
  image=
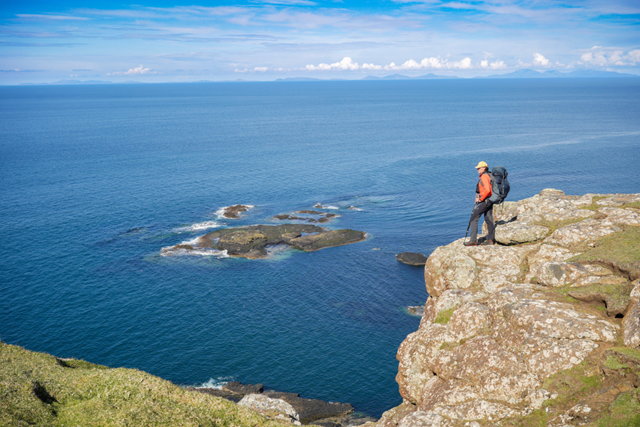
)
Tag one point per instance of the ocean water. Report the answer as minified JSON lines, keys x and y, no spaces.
{"x":96,"y":180}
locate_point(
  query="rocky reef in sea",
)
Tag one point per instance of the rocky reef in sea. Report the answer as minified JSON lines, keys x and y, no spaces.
{"x":253,"y":241}
{"x":542,"y":329}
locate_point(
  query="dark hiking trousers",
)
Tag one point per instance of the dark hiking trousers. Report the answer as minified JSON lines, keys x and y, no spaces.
{"x":485,"y":207}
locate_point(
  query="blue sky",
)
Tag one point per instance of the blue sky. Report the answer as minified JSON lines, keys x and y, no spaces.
{"x":161,"y":41}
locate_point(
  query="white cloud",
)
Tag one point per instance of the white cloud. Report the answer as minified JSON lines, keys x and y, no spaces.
{"x":599,"y":56}
{"x":346,"y":64}
{"x":132,"y":71}
{"x":433,"y":63}
{"x":540,"y":61}
{"x":496,"y":65}
{"x":261,"y":69}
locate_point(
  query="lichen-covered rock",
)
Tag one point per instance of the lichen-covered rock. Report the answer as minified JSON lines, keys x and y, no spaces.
{"x":475,"y":410}
{"x":424,"y":419}
{"x":621,"y":216}
{"x":276,"y":408}
{"x":469,"y":319}
{"x":493,"y":372}
{"x":583,"y":232}
{"x":500,"y":331}
{"x":631,"y":323}
{"x":547,"y":253}
{"x":556,"y":274}
{"x":449,"y":299}
{"x":416,"y":356}
{"x":558,"y":320}
{"x":517,"y":233}
{"x":394,"y":416}
{"x":449,"y":267}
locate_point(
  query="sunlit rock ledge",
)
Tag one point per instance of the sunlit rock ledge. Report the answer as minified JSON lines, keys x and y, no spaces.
{"x":541,"y":329}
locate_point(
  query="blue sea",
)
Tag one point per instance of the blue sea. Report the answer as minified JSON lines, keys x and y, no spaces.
{"x":96,"y":180}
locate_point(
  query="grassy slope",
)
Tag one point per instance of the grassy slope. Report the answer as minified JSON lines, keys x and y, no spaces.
{"x":39,"y":389}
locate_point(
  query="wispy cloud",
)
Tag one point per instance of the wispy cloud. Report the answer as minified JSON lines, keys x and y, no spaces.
{"x":17,"y":70}
{"x":51,"y":17}
{"x":132,"y":71}
{"x":287,"y":2}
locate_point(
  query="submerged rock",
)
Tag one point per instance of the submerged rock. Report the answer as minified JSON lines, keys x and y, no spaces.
{"x":412,"y":258}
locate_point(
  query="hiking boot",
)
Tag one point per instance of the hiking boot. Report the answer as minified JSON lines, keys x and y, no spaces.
{"x":487,"y":243}
{"x":470,"y":243}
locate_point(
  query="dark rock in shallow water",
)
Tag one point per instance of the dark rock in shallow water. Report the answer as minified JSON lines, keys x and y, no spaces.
{"x":412,"y":258}
{"x":238,"y":387}
{"x":349,"y":420}
{"x":234,"y":397}
{"x":233,"y":212}
{"x":251,"y":241}
{"x":311,"y":409}
{"x":416,"y":310}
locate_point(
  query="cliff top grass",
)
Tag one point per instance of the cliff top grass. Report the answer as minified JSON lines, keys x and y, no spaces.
{"x":42,"y":390}
{"x":620,"y":250}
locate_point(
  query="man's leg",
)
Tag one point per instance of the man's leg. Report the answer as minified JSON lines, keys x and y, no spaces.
{"x":491,"y":226}
{"x":475,"y":216}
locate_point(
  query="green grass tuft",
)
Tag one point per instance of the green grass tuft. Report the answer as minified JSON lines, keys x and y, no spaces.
{"x":622,"y":249}
{"x":444,"y":316}
{"x":613,"y":363}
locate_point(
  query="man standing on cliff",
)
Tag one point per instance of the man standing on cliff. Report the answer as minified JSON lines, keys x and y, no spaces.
{"x":483,"y":206}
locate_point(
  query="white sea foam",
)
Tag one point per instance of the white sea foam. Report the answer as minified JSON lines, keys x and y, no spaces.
{"x":173,"y":251}
{"x":215,"y":383}
{"x":321,"y":206}
{"x":199,"y":226}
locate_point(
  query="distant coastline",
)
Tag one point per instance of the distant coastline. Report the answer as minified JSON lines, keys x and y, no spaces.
{"x":520,"y":74}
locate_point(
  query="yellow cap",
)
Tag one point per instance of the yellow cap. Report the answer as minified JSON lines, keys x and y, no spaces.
{"x":482,"y":165}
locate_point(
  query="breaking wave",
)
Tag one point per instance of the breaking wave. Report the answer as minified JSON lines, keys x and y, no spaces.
{"x":215,"y":383}
{"x":199,"y":226}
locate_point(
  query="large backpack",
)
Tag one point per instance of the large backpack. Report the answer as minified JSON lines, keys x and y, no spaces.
{"x":499,"y":185}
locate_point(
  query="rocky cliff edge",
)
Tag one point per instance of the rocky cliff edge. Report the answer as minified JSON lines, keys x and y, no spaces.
{"x":542,"y":329}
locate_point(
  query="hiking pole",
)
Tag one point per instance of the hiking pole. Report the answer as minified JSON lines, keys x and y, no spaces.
{"x":469,"y":225}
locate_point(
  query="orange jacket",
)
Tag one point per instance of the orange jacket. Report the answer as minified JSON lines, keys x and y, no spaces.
{"x":484,"y":186}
